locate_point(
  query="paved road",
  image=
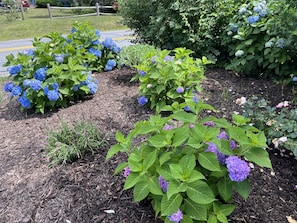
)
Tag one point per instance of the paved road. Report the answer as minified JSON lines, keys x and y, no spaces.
{"x":121,"y":37}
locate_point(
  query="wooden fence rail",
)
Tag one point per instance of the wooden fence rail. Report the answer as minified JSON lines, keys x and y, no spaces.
{"x":97,"y":7}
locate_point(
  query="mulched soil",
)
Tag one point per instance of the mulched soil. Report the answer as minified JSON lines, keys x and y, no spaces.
{"x":82,"y":192}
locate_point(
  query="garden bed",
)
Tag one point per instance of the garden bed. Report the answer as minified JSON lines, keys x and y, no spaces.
{"x":86,"y":191}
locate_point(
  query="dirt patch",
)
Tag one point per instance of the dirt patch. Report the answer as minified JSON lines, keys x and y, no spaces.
{"x":83,"y":191}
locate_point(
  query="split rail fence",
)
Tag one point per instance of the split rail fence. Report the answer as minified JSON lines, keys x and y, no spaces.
{"x":97,"y":13}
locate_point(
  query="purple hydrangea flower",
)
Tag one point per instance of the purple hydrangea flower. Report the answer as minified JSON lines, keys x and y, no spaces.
{"x":233,"y":145}
{"x":209,"y":124}
{"x":167,"y":127}
{"x":213,"y":148}
{"x":163,"y":184}
{"x":253,"y":19}
{"x":142,"y":100}
{"x":95,"y":52}
{"x":36,"y":84}
{"x":15,"y":69}
{"x":223,"y":135}
{"x":8,"y":86}
{"x":16,"y":90}
{"x":176,"y":217}
{"x":180,"y":89}
{"x":53,"y":95}
{"x":168,"y":58}
{"x":142,"y":73}
{"x":187,"y":108}
{"x":40,"y":74}
{"x":127,"y":171}
{"x":238,"y":169}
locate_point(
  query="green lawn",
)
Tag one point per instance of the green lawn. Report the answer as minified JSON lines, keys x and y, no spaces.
{"x":37,"y":23}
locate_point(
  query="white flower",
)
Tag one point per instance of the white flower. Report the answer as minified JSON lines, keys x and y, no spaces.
{"x":277,"y":141}
{"x":239,"y":53}
{"x":149,"y":85}
{"x":241,"y":101}
{"x":283,"y":139}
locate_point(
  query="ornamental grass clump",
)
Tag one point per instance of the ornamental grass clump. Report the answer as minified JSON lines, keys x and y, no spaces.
{"x":189,"y":166}
{"x":70,"y":142}
{"x":169,"y":76}
{"x":60,"y":68}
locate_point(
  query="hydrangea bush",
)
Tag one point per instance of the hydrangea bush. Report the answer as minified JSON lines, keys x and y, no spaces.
{"x":262,"y":39}
{"x":169,"y":76}
{"x":188,"y":166}
{"x":60,"y":68}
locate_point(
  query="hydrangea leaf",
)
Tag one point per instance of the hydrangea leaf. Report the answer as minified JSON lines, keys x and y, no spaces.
{"x":140,"y":191}
{"x":209,"y":161}
{"x":200,"y":192}
{"x":196,"y":211}
{"x":169,"y":206}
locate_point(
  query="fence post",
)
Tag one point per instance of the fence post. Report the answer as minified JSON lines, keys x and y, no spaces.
{"x":22,"y":11}
{"x":97,"y":9}
{"x":49,"y":11}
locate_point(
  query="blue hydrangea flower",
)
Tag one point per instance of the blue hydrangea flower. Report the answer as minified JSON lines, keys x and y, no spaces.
{"x":294,"y":79}
{"x":269,"y":44}
{"x":59,"y":58}
{"x":36,"y":84}
{"x":15,"y":69}
{"x":238,"y":169}
{"x":40,"y":74}
{"x":111,"y":63}
{"x":163,"y":184}
{"x":73,"y":30}
{"x":28,"y":52}
{"x":16,"y":90}
{"x":280,"y":43}
{"x":242,"y":10}
{"x":142,"y":73}
{"x":168,"y":58}
{"x":108,"y":68}
{"x":187,"y":108}
{"x":195,"y":99}
{"x":8,"y":86}
{"x":233,"y":27}
{"x":153,"y":59}
{"x":96,"y":42}
{"x":176,"y":217}
{"x":180,"y":89}
{"x":93,"y":87}
{"x":109,"y":43}
{"x":253,"y":19}
{"x":95,"y":52}
{"x":142,"y":100}
{"x":116,"y":49}
{"x":55,"y":86}
{"x":213,"y":148}
{"x":26,"y":83}
{"x":97,"y":33}
{"x":263,"y":12}
{"x":76,"y":87}
{"x":24,"y":101}
{"x":53,"y":95}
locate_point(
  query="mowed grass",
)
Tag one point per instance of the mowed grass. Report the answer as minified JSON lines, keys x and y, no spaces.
{"x":37,"y":23}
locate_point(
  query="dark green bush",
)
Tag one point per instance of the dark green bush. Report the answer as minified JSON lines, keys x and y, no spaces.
{"x":42,"y":3}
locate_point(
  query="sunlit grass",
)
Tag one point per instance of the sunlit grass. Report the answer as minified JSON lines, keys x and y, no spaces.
{"x":37,"y":23}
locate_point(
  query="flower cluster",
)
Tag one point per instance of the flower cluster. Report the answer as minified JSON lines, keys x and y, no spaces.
{"x":176,"y":217}
{"x":238,"y":169}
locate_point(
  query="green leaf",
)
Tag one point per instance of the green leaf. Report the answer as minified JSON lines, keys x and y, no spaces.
{"x":158,"y":141}
{"x":135,"y":166}
{"x":222,"y":218}
{"x":150,"y":159}
{"x":120,"y":137}
{"x":114,"y":149}
{"x":212,"y":218}
{"x":259,"y":156}
{"x":225,"y":188}
{"x":180,"y":136}
{"x":140,"y":191}
{"x":165,"y":157}
{"x":175,"y":187}
{"x":209,"y":161}
{"x":120,"y":167}
{"x":239,"y":135}
{"x":170,"y":206}
{"x":132,"y":179}
{"x":196,"y":211}
{"x":243,"y":188}
{"x":184,"y":117}
{"x":153,"y":186}
{"x":195,"y":175}
{"x":188,"y":161}
{"x":226,"y":209}
{"x":200,"y":192}
{"x":145,"y":129}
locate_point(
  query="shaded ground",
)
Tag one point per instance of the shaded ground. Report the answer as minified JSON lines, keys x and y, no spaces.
{"x":81,"y":192}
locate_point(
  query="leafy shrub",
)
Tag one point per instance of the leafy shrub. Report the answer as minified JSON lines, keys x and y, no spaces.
{"x":278,"y":122}
{"x":69,"y":143}
{"x":60,"y":68}
{"x":43,"y":3}
{"x":133,"y":55}
{"x":188,"y":166}
{"x":165,"y":79}
{"x":262,"y":39}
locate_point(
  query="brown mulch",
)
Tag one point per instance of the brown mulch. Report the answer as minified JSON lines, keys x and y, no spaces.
{"x":81,"y":192}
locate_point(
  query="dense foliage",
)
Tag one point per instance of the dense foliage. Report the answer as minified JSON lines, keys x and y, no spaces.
{"x":60,"y":69}
{"x":255,"y":37}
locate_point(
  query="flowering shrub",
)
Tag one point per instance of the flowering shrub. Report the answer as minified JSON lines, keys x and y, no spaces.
{"x":278,"y":122}
{"x":165,"y":79}
{"x":262,"y":39}
{"x":188,"y":166}
{"x":69,"y":143}
{"x":60,"y":69}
